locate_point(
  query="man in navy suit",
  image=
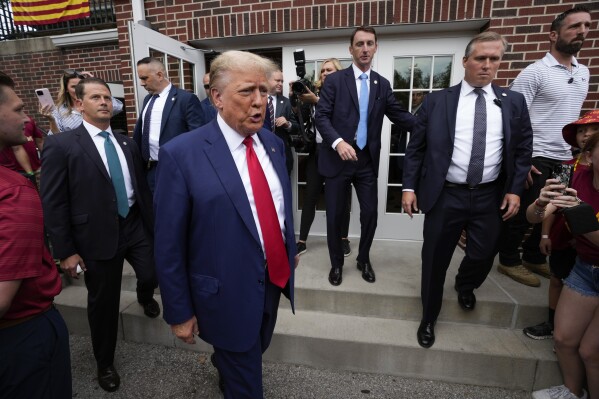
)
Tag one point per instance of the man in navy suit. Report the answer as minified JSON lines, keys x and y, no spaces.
{"x":285,"y":121}
{"x":172,"y":111}
{"x":208,"y":110}
{"x":221,"y":262}
{"x":98,"y":212}
{"x":350,"y":124}
{"x":466,"y":162}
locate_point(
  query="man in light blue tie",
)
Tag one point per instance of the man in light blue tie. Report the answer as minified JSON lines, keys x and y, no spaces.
{"x":349,"y":116}
{"x":98,"y":212}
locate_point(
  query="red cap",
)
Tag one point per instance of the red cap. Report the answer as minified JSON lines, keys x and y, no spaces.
{"x":569,"y":131}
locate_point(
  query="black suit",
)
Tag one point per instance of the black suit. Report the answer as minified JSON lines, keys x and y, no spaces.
{"x":448,"y":208}
{"x":337,"y":116}
{"x":81,"y":217}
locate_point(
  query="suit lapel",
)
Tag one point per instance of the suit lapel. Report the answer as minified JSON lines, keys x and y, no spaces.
{"x":452,"y":97}
{"x":280,"y":105}
{"x":86,"y":142}
{"x":505,"y":101}
{"x":269,"y":146}
{"x":374,"y":88}
{"x":350,"y":81}
{"x":220,"y":157}
{"x":170,"y":102}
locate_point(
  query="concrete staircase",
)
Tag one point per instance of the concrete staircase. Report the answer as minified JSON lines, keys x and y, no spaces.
{"x":372,"y":327}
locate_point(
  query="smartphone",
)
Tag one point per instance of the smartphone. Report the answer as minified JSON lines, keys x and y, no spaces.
{"x":563,"y":173}
{"x":44,"y":97}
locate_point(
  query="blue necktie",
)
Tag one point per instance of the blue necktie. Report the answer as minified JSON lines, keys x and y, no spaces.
{"x":145,"y":132}
{"x":116,"y":175}
{"x":479,"y":140}
{"x":363,"y":124}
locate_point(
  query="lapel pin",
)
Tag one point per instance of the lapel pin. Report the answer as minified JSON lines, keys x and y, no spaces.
{"x":376,"y":82}
{"x":503,"y":95}
{"x":273,"y":149}
{"x":124,"y":143}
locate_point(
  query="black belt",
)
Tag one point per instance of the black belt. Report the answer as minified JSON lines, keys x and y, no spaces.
{"x":466,"y":186}
{"x":151,"y":163}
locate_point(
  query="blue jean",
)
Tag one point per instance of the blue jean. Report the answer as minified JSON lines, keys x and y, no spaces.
{"x":584,"y":278}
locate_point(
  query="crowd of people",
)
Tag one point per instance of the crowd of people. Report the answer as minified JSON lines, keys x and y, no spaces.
{"x":199,"y":202}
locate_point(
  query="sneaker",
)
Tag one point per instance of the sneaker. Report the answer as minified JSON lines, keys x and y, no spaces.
{"x":346,"y":248}
{"x":540,"y":269}
{"x":540,"y":331}
{"x":301,"y":248}
{"x":520,"y":274}
{"x":559,"y":392}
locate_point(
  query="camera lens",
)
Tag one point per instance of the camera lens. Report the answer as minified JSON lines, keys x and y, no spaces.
{"x":39,"y":92}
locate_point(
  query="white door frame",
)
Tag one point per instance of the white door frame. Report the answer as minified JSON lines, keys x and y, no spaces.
{"x":142,"y":39}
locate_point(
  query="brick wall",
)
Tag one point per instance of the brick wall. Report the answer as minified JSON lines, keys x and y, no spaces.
{"x":45,"y":69}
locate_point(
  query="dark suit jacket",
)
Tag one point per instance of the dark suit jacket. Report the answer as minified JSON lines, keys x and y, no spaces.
{"x":432,"y":141}
{"x":78,"y":197}
{"x":338,"y":113}
{"x":182,"y":113}
{"x":208,"y":255}
{"x":208,"y":111}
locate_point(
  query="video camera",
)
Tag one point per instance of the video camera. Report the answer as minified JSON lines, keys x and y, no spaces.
{"x":306,"y":138}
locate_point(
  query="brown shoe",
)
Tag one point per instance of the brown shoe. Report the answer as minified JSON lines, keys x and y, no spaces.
{"x":520,"y":274}
{"x":540,"y":269}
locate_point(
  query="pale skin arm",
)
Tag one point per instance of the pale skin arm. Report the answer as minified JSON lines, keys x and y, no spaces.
{"x":409,"y":202}
{"x":511,"y":205}
{"x":69,"y":265}
{"x":8,"y":290}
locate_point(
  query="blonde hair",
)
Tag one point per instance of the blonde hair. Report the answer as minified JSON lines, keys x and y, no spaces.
{"x":335,"y":63}
{"x":235,"y":60}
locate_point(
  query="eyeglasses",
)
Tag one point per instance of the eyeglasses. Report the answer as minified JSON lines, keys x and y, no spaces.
{"x":73,"y":73}
{"x":206,"y":87}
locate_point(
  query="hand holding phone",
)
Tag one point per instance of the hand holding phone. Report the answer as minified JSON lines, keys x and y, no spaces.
{"x":44,"y":97}
{"x":563,"y":173}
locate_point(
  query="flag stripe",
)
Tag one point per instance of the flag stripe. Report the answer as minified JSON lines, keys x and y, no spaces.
{"x":45,"y":12}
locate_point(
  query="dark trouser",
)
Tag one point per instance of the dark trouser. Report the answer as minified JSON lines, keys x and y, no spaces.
{"x":103,"y":281}
{"x":314,"y":183}
{"x":35,"y":361}
{"x":458,"y":208}
{"x":362,"y":175}
{"x":514,"y":229}
{"x":242,"y":371}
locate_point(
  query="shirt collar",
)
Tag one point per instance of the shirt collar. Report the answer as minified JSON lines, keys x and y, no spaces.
{"x":233,"y":139}
{"x":467,"y":88}
{"x":550,"y":61}
{"x":358,"y":72}
{"x":94,"y":131}
{"x":166,"y":90}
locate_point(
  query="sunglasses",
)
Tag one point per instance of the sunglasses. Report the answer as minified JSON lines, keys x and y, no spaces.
{"x":206,"y":87}
{"x":73,"y":73}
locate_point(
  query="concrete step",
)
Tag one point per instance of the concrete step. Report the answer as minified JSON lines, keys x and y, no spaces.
{"x":465,"y":353}
{"x":501,"y":302}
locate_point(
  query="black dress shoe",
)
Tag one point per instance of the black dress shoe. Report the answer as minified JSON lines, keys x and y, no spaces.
{"x":151,"y":308}
{"x":335,"y":276}
{"x":367,"y":272}
{"x":467,"y":300}
{"x":109,"y":379}
{"x":426,"y":334}
{"x":221,"y":383}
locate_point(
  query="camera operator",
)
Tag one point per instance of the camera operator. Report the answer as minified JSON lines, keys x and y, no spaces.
{"x":314,"y":181}
{"x":279,"y":117}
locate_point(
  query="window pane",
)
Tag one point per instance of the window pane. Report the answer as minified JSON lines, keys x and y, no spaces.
{"x":173,"y":70}
{"x":393,"y":200}
{"x":398,"y":140}
{"x":442,"y":72}
{"x":417,"y":98}
{"x":402,"y":73}
{"x":396,"y":169}
{"x":422,"y":72}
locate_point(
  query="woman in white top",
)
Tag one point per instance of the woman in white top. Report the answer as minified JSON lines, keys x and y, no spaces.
{"x":64,"y":116}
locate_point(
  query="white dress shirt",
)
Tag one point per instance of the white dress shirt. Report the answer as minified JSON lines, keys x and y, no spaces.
{"x":156,"y":120}
{"x":99,"y":141}
{"x":238,"y":150}
{"x":462,"y":148}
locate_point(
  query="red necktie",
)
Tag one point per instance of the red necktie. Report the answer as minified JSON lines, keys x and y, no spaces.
{"x":276,"y":254}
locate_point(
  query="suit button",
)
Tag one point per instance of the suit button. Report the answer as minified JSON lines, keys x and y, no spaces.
{"x":261,"y":282}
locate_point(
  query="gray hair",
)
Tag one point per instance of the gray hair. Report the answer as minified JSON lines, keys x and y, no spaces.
{"x":487,"y":36}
